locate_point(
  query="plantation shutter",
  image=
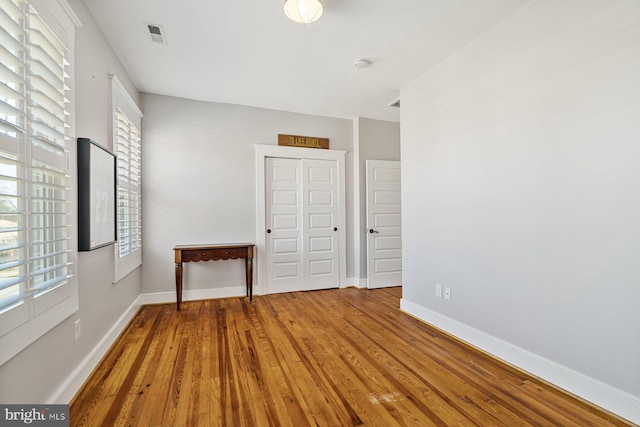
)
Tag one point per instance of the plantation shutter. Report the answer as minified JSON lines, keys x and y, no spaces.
{"x":13,"y":83}
{"x":128,"y":153}
{"x":127,"y":140}
{"x":36,"y":290}
{"x":48,"y":111}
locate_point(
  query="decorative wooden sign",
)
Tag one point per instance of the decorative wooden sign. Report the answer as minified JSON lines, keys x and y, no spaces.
{"x":303,"y":141}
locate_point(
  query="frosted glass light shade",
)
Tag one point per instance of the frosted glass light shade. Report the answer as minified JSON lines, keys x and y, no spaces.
{"x":303,"y":11}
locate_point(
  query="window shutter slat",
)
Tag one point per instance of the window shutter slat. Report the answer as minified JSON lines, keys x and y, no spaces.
{"x":10,"y":18}
{"x":39,"y":27}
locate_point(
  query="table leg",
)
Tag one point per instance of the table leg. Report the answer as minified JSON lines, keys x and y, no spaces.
{"x":248,"y":266}
{"x":178,"y":283}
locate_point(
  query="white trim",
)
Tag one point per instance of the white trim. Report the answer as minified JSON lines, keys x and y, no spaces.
{"x":127,"y":104}
{"x":75,"y":381}
{"x":590,"y":389}
{"x":69,"y":11}
{"x":63,"y":9}
{"x":60,"y":18}
{"x":194,"y":295}
{"x":349,"y":283}
{"x":354,"y":282}
{"x":125,"y":265}
{"x":18,"y":339}
{"x":120,"y":98}
{"x":357,"y":220}
{"x":264,"y":151}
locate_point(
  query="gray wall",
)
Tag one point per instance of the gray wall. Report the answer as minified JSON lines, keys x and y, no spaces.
{"x":521,"y":186}
{"x":36,"y":373}
{"x":378,"y":140}
{"x":199,"y":182}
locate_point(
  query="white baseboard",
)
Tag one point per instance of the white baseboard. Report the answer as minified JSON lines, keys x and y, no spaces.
{"x":72,"y":384}
{"x":348,"y":283}
{"x":354,"y":282}
{"x":617,"y":401}
{"x":194,"y":295}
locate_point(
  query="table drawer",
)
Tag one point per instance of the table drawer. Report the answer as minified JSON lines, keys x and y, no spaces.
{"x":213,"y":254}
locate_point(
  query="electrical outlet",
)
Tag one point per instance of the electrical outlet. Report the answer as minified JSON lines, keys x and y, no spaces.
{"x":77,"y":330}
{"x":439,"y":291}
{"x":447,"y":293}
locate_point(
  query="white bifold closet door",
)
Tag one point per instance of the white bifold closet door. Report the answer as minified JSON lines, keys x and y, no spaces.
{"x":302,"y":217}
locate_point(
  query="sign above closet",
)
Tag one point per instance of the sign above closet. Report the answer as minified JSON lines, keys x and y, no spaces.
{"x":303,"y":141}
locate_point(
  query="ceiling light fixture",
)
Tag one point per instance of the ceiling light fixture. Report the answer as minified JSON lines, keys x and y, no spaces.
{"x":303,"y":11}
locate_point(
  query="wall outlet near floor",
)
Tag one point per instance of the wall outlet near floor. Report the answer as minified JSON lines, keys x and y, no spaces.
{"x":439,"y":291}
{"x":447,"y":293}
{"x":77,"y":330}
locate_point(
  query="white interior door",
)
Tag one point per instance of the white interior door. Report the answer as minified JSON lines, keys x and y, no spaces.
{"x":320,"y":223}
{"x":302,"y":217}
{"x":284,"y":224}
{"x":384,"y":224}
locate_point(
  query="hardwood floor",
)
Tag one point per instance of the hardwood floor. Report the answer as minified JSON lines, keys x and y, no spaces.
{"x":343,"y":357}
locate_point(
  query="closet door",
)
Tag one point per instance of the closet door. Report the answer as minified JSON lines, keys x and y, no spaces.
{"x":302,"y":217}
{"x":320,"y":223}
{"x":283,"y":186}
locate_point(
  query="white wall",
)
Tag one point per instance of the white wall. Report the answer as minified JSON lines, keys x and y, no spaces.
{"x":199,"y":183}
{"x":521,"y":189}
{"x":378,"y":140}
{"x":38,"y":373}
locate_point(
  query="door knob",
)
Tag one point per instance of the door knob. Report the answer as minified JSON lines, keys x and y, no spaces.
{"x":335,"y":228}
{"x":268,"y":230}
{"x":371,"y":230}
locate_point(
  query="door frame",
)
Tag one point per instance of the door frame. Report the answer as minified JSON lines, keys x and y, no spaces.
{"x":261,"y":153}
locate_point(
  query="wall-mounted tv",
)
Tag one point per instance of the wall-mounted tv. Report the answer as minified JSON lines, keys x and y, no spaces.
{"x":96,"y":195}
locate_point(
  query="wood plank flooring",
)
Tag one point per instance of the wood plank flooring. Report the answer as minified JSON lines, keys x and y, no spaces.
{"x":344,"y":357}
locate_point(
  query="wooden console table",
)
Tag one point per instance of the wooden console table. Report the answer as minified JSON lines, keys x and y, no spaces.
{"x":195,"y":253}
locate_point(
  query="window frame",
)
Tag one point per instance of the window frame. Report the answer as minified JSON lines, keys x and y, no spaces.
{"x":120,"y":99}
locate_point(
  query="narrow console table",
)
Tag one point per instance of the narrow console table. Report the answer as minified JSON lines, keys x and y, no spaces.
{"x":195,"y":253}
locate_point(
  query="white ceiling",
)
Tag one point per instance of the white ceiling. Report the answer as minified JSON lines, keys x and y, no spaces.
{"x":246,"y":52}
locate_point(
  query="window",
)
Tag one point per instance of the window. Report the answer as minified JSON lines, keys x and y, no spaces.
{"x":37,"y":290}
{"x":126,"y":145}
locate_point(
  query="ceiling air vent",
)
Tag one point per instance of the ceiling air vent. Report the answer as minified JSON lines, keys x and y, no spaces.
{"x":395,"y":103}
{"x":156,"y":32}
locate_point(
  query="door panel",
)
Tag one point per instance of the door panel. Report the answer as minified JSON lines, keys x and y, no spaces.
{"x":285,"y":245}
{"x":320,"y":221}
{"x":384,"y":219}
{"x":285,"y":270}
{"x":386,"y":198}
{"x":320,"y":244}
{"x":386,"y":243}
{"x":320,"y":186}
{"x":320,"y":198}
{"x":283,"y":215}
{"x":301,"y":213}
{"x":285,"y":198}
